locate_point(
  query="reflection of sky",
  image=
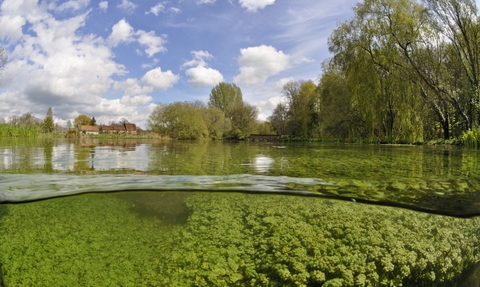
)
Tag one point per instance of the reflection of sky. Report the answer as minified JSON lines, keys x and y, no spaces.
{"x":64,"y":157}
{"x":107,"y":158}
{"x":262,"y":163}
{"x":7,"y":158}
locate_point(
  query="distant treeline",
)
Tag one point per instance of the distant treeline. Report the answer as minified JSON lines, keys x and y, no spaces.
{"x":26,"y":125}
{"x":225,"y":116}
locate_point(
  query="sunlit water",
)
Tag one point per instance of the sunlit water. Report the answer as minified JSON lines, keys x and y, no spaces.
{"x":99,"y":213}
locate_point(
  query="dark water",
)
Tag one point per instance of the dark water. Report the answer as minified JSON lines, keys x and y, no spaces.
{"x":237,"y":214}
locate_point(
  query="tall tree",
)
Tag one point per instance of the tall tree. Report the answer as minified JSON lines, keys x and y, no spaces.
{"x":458,"y":22}
{"x":224,"y":95}
{"x":48,"y":125}
{"x":388,"y":53}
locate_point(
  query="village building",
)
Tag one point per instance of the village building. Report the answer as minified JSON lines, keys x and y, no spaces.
{"x":119,"y":129}
{"x":107,"y":129}
{"x":89,"y":130}
{"x":131,"y":128}
{"x":111,"y":129}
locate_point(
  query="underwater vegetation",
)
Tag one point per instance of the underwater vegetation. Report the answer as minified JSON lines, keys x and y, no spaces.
{"x":230,"y":239}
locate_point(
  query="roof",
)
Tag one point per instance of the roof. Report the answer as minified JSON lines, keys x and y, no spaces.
{"x":119,"y":127}
{"x":88,"y":128}
{"x":106,"y":128}
{"x":131,"y":127}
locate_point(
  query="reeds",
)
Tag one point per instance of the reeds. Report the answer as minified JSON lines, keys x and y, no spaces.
{"x":471,"y":139}
{"x":18,"y":132}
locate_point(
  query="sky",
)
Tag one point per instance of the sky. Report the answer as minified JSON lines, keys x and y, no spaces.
{"x":114,"y":59}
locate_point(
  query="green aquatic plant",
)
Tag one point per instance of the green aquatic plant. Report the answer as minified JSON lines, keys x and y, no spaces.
{"x":230,"y":240}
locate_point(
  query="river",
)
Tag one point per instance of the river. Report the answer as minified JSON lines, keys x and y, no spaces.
{"x":206,"y":213}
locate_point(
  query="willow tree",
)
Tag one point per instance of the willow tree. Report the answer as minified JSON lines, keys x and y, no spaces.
{"x":337,"y":117}
{"x":370,"y":51}
{"x":458,"y":22}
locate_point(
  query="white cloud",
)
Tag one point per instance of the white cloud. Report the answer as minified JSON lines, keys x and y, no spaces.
{"x":103,"y":5}
{"x":11,"y":27}
{"x":200,"y":74}
{"x":157,"y":9}
{"x":121,"y":32}
{"x":133,"y":93}
{"x":206,"y":1}
{"x":254,"y":5}
{"x":259,"y":63}
{"x":127,"y":6}
{"x":153,"y":43}
{"x":124,"y":32}
{"x":160,"y":80}
{"x":73,"y":5}
{"x":203,"y":76}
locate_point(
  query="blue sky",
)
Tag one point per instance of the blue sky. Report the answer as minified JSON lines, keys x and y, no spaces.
{"x":116,"y":59}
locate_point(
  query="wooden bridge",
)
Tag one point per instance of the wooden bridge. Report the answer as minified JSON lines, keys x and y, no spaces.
{"x":265,"y":137}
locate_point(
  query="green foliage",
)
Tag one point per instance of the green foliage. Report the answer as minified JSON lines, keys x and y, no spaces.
{"x":471,"y":139}
{"x":298,"y":117}
{"x":192,"y":120}
{"x":409,"y":68}
{"x":82,"y":120}
{"x":179,"y":120}
{"x":243,"y":117}
{"x":17,"y":132}
{"x":48,"y":125}
{"x":223,"y":95}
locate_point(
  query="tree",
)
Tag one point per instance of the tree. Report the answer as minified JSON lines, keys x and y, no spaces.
{"x":217,"y":124}
{"x":279,"y":119}
{"x":299,"y":115}
{"x":389,"y":56}
{"x":93,"y":122}
{"x":179,"y":120}
{"x":243,"y":117}
{"x":69,"y":124}
{"x":48,"y":125}
{"x":224,"y":95}
{"x":337,"y":117}
{"x":82,"y":120}
{"x":28,"y":120}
